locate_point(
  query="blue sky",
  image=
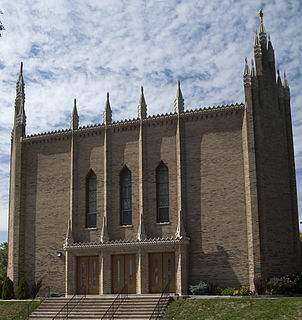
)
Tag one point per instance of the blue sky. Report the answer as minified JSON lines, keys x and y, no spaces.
{"x":82,"y":49}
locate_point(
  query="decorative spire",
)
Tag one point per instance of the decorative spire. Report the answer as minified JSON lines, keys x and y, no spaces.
{"x":253,"y":74}
{"x":141,"y":235}
{"x":262,"y":33}
{"x":179,"y":101}
{"x":270,"y":50}
{"x":69,"y":237}
{"x":142,"y":106}
{"x":279,"y":84}
{"x":21,"y":117}
{"x":180,"y":231}
{"x":246,"y":74}
{"x":74,"y":122}
{"x":285,"y":80}
{"x":257,"y":46}
{"x":104,"y":232}
{"x":107,"y":118}
{"x":20,"y":93}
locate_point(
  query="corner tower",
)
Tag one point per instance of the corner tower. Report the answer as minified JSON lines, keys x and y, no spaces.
{"x":16,"y":207}
{"x":271,"y":187}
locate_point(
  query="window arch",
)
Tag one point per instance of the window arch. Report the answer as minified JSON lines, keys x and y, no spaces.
{"x":91,"y":188}
{"x":162,"y":190}
{"x":126,"y":197}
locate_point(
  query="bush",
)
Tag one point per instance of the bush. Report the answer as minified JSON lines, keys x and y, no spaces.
{"x":200,"y":288}
{"x":217,"y":291}
{"x":35,"y":288}
{"x":1,"y":284}
{"x":7,"y":289}
{"x":260,"y":284}
{"x":288,"y":284}
{"x":245,"y":291}
{"x":213,"y":288}
{"x":228,"y":292}
{"x":23,"y":289}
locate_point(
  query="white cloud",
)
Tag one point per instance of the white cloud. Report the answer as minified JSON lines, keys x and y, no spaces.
{"x":83,"y":49}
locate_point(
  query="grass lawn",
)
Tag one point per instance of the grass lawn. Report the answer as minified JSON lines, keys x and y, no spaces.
{"x":10,"y":308}
{"x":235,"y":308}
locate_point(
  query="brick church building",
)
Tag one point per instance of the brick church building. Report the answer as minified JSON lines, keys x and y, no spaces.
{"x":206,"y":194}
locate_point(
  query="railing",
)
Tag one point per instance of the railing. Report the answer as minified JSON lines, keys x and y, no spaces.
{"x":161,"y":303}
{"x":122,"y":295}
{"x":71,"y":304}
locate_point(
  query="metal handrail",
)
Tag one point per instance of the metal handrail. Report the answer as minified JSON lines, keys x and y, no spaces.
{"x":68,"y":307}
{"x":161,"y":303}
{"x":119,"y":299}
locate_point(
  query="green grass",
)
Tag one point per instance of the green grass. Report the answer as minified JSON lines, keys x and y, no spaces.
{"x":235,"y":308}
{"x":9,"y":309}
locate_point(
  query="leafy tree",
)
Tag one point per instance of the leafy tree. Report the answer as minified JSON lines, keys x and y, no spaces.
{"x":8,"y":289}
{"x":3,"y":260}
{"x":1,"y":25}
{"x":23,"y":289}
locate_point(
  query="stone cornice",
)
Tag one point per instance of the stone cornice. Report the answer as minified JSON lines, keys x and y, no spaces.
{"x":127,"y":243}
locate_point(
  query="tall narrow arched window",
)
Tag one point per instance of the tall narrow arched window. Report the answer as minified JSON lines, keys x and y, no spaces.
{"x":162,"y":188}
{"x":126,"y":194}
{"x":91,"y":184}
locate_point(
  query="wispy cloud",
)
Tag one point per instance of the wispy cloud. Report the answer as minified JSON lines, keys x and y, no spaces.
{"x":83,"y":49}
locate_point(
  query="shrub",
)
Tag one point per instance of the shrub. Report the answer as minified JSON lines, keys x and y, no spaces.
{"x":288,"y":284}
{"x":23,"y":289}
{"x":245,"y":291}
{"x":227,"y":292}
{"x":35,"y":288}
{"x":236,"y":292}
{"x":212,"y":287}
{"x":200,"y":288}
{"x":260,"y":284}
{"x":217,"y":291}
{"x":7,"y":289}
{"x":1,"y":284}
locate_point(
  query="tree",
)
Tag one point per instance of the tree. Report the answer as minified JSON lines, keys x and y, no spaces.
{"x":3,"y":260}
{"x":23,"y":289}
{"x":1,"y":25}
{"x":8,"y":289}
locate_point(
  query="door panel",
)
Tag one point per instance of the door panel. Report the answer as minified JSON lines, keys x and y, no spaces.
{"x":155,"y":265}
{"x":88,"y":275}
{"x":162,"y":269}
{"x":130,"y":274}
{"x":124,"y":272}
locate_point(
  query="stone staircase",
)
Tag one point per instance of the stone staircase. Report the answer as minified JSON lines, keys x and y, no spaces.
{"x":136,"y":307}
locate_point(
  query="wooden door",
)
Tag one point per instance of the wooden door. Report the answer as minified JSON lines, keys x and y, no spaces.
{"x":130,"y":272}
{"x":124,"y":272}
{"x":118,"y":280}
{"x":161,"y":270}
{"x":88,"y":275}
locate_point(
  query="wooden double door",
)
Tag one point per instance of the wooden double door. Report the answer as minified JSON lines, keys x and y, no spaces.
{"x":124,"y":272}
{"x":161,"y":270}
{"x":88,"y":274}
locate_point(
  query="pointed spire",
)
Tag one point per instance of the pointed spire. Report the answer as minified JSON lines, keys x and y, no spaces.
{"x":69,"y":237}
{"x":21,"y":117}
{"x":142,"y":106}
{"x":107,"y":118}
{"x":141,"y":235}
{"x":20,"y":93}
{"x":270,"y":50}
{"x":104,"y":232}
{"x":246,"y":74}
{"x":253,"y":74}
{"x":257,"y":46}
{"x":180,"y":231}
{"x":262,"y":33}
{"x":285,"y":80}
{"x":179,"y":101}
{"x":279,"y":85}
{"x":74,"y":122}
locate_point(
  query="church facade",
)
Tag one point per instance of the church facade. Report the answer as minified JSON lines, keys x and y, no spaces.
{"x":166,"y":200}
